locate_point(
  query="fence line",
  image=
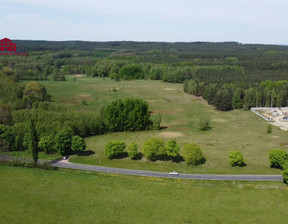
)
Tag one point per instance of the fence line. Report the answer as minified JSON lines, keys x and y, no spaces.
{"x":253,"y":109}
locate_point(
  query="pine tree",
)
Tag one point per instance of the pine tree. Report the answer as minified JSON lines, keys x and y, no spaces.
{"x":33,"y":144}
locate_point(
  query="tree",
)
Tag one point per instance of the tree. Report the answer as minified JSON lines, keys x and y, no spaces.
{"x":277,"y":158}
{"x":34,"y":93}
{"x":285,"y":172}
{"x":224,"y":97}
{"x":131,"y":71}
{"x":133,"y":151}
{"x":5,"y":137}
{"x":154,"y":149}
{"x":33,"y":144}
{"x":129,"y":115}
{"x":236,"y":159}
{"x":172,"y":149}
{"x":47,"y":144}
{"x":5,"y":114}
{"x":156,"y":72}
{"x":193,"y":155}
{"x":63,"y":140}
{"x":78,"y":144}
{"x":115,"y":149}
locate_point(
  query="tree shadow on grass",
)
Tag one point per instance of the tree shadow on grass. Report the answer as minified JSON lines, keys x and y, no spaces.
{"x":86,"y":153}
{"x":178,"y":159}
{"x":138,"y":156}
{"x":163,"y":127}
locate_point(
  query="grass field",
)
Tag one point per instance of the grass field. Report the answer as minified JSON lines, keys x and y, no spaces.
{"x":40,"y":196}
{"x":234,"y":130}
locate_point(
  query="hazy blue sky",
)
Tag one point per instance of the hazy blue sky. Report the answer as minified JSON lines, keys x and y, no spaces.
{"x":245,"y":21}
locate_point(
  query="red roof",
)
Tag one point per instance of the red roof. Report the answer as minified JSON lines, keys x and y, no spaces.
{"x":5,"y":39}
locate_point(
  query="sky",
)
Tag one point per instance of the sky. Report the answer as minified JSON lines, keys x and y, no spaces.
{"x":245,"y":21}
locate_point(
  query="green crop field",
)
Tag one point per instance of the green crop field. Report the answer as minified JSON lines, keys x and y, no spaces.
{"x":40,"y":196}
{"x":234,"y":130}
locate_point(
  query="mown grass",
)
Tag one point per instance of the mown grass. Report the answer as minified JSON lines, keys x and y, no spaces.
{"x":40,"y":196}
{"x":234,"y":130}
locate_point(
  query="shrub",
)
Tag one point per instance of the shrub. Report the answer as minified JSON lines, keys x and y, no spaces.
{"x":277,"y":157}
{"x":63,"y":141}
{"x":236,"y":159}
{"x":133,"y":151}
{"x":193,"y":155}
{"x":115,"y":149}
{"x":172,"y":149}
{"x":154,"y":149}
{"x":47,"y":144}
{"x":156,"y":122}
{"x":78,"y":144}
{"x":204,"y":125}
{"x":285,"y":172}
{"x":269,"y":129}
{"x":131,"y":71}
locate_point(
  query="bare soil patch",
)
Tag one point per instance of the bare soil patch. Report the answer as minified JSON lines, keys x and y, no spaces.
{"x":85,"y":97}
{"x":171,"y":134}
{"x":169,"y":89}
{"x":79,"y":75}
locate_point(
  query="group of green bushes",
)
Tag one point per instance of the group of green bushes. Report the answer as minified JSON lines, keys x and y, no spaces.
{"x":154,"y":149}
{"x":64,"y":143}
{"x":278,"y":158}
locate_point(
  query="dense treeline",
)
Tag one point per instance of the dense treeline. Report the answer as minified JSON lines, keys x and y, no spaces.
{"x":229,"y":62}
{"x":237,"y":96}
{"x":228,"y":75}
{"x":22,"y":103}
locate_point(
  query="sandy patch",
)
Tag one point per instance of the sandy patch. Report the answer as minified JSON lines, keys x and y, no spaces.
{"x":170,"y":134}
{"x":275,"y":136}
{"x":85,"y":97}
{"x":79,"y":75}
{"x":169,"y":89}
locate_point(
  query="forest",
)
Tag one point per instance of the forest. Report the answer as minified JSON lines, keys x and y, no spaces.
{"x":227,"y":75}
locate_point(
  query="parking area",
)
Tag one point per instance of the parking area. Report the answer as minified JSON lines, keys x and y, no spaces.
{"x":276,"y":116}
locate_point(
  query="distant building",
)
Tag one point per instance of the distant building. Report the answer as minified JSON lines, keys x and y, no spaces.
{"x":6,"y":44}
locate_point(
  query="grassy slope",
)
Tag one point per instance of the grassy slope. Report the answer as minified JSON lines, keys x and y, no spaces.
{"x":234,"y":130}
{"x":39,"y":196}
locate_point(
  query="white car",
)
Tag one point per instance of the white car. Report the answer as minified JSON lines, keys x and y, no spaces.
{"x":65,"y":157}
{"x":174,"y":173}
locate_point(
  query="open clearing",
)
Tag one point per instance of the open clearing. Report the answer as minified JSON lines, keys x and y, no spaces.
{"x":170,"y":134}
{"x":233,"y":130}
{"x":88,"y":197}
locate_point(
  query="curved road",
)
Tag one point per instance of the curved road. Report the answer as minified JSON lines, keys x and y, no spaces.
{"x":66,"y":164}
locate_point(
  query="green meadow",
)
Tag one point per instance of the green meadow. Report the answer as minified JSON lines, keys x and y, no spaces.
{"x":65,"y":196}
{"x":233,"y":130}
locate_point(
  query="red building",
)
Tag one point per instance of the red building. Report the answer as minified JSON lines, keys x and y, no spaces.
{"x":6,"y":44}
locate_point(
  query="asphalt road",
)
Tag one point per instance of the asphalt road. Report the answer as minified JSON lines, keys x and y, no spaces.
{"x":66,"y":164}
